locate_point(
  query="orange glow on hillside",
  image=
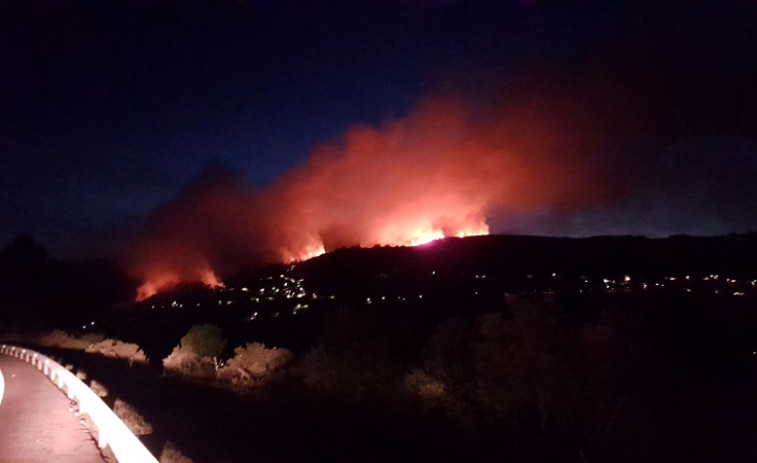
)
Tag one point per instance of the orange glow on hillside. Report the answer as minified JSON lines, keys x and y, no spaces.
{"x":165,"y":281}
{"x":425,"y":238}
{"x":441,"y":171}
{"x":410,"y":234}
{"x":308,"y":252}
{"x":397,"y":234}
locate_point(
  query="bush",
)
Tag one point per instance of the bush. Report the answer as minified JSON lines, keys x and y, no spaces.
{"x":115,"y":348}
{"x":171,"y":454}
{"x":197,"y":351}
{"x":358,"y":355}
{"x":534,"y":372}
{"x":59,"y":338}
{"x":98,"y":388}
{"x":135,"y":421}
{"x":184,"y":361}
{"x":424,"y":386}
{"x":507,"y":365}
{"x":253,"y":363}
{"x":204,"y":340}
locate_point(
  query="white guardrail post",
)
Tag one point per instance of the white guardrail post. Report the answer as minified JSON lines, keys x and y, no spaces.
{"x":112,"y":432}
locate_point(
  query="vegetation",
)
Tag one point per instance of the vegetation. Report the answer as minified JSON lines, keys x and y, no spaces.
{"x":132,"y":418}
{"x":580,"y":367}
{"x":252,"y":364}
{"x":42,"y":293}
{"x":546,"y":378}
{"x":98,"y":389}
{"x":184,"y":361}
{"x":204,"y":340}
{"x":196,"y":354}
{"x":115,"y":348}
{"x":171,"y":454}
{"x":59,"y":338}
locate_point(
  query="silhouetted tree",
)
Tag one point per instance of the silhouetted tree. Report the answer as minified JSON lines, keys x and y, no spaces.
{"x":205,"y":340}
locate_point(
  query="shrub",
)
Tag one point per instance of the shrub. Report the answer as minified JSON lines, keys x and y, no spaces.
{"x":115,"y":348}
{"x":204,"y":340}
{"x":98,"y":389}
{"x":135,"y":421}
{"x":59,"y":338}
{"x":184,"y":361}
{"x":424,"y":386}
{"x":349,"y":373}
{"x":359,"y":353}
{"x":253,"y":363}
{"x":506,"y":365}
{"x":171,"y":454}
{"x":196,"y":353}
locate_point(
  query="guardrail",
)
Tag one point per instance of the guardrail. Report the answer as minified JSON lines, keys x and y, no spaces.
{"x":112,"y":432}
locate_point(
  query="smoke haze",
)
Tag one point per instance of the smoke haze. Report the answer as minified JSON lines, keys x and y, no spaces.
{"x":441,"y":171}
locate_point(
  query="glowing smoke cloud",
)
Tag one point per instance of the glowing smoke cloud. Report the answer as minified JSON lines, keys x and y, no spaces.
{"x":437,"y":173}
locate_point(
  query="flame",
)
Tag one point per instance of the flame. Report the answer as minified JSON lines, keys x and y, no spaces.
{"x":398,"y":234}
{"x":308,"y":252}
{"x":475,"y":230}
{"x":441,"y":171}
{"x":424,"y":237}
{"x":159,"y":282}
{"x":425,"y":234}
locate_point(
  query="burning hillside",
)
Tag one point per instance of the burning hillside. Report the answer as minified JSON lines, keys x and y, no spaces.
{"x":441,"y":171}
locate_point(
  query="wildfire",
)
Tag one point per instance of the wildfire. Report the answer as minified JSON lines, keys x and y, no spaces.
{"x":156,"y":283}
{"x":479,"y":230}
{"x":426,"y":234}
{"x":308,"y":252}
{"x":398,"y":234}
{"x":425,"y":237}
{"x":439,"y":172}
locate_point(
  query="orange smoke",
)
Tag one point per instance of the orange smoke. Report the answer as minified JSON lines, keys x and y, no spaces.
{"x":442,"y":171}
{"x":155,"y":283}
{"x":437,"y":173}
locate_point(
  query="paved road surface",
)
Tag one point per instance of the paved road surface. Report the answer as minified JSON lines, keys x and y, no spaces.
{"x":35,"y":423}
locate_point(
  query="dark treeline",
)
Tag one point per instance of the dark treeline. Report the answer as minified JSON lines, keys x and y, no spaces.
{"x":512,"y":258}
{"x":40,"y":292}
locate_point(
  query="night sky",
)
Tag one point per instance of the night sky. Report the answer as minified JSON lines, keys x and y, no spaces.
{"x":108,"y":110}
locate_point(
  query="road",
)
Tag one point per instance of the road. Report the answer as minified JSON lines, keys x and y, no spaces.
{"x":35,"y":422}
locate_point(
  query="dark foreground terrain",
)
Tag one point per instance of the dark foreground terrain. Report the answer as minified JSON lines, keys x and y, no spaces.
{"x":656,"y":378}
{"x":487,"y":349}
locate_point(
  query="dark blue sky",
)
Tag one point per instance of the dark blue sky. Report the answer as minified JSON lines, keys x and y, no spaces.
{"x":108,"y":109}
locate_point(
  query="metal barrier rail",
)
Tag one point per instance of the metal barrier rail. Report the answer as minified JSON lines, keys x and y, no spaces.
{"x":112,"y":432}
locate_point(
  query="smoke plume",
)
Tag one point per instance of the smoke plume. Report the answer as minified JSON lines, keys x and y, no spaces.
{"x":441,"y":171}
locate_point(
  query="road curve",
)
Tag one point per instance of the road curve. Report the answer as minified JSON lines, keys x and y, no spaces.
{"x":35,"y":422}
